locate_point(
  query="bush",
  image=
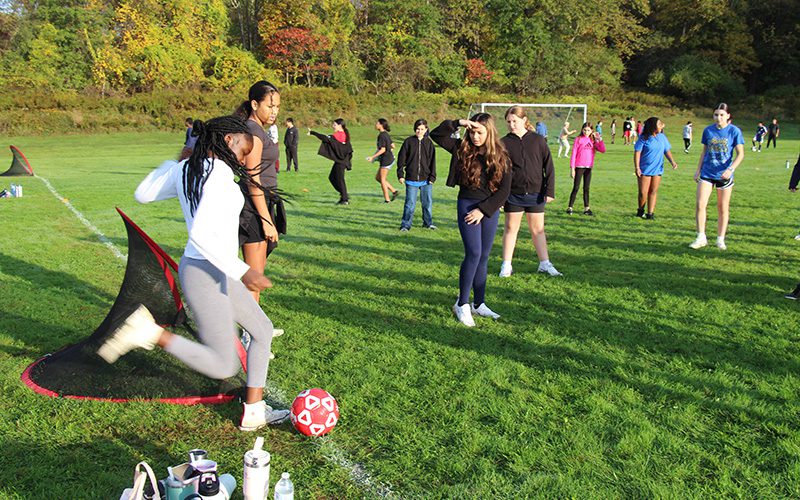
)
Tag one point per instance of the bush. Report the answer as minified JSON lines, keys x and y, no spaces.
{"x":703,"y":81}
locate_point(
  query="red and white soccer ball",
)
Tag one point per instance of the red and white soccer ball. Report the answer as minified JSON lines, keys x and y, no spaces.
{"x":314,"y":412}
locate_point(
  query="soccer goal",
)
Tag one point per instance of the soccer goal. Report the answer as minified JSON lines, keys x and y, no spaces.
{"x":552,"y":116}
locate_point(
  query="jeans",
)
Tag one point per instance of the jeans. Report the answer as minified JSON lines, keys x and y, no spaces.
{"x":478,"y":240}
{"x":426,"y":195}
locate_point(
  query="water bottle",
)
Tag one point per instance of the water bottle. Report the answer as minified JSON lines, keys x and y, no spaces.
{"x":787,"y":164}
{"x":255,"y":480}
{"x":13,"y":190}
{"x":19,"y":190}
{"x":284,"y":489}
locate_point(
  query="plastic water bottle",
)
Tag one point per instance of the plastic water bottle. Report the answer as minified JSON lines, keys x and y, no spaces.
{"x":284,"y":489}
{"x":13,"y":190}
{"x":787,"y":164}
{"x":19,"y":190}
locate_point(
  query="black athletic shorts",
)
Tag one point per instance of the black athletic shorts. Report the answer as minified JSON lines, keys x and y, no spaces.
{"x":528,"y":203}
{"x":719,"y":183}
{"x":250,"y":228}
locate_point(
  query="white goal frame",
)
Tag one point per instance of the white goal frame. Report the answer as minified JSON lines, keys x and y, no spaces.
{"x":482,"y":105}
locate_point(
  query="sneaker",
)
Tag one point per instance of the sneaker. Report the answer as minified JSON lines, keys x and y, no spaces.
{"x":277,"y":332}
{"x":257,"y":415}
{"x":505,"y":270}
{"x":721,"y":244}
{"x":753,"y":149}
{"x":394,"y":195}
{"x":403,"y":229}
{"x":570,"y":211}
{"x":797,"y":237}
{"x":686,"y":151}
{"x":699,"y":242}
{"x":649,"y":216}
{"x":463,"y":314}
{"x":790,"y":296}
{"x":484,"y":311}
{"x":343,"y":202}
{"x":549,"y":268}
{"x":640,"y":212}
{"x":431,"y":227}
{"x":588,"y":212}
{"x":138,"y":330}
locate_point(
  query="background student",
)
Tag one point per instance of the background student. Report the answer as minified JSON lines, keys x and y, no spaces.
{"x":416,"y":168}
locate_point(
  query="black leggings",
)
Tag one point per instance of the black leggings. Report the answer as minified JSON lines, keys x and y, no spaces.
{"x":772,"y":138}
{"x":586,"y":174}
{"x":336,"y":177}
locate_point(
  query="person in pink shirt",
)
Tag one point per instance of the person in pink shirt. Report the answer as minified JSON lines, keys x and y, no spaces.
{"x":581,"y":163}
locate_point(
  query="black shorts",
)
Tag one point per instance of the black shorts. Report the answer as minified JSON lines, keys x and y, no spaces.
{"x":528,"y":203}
{"x":250,"y":228}
{"x":719,"y":183}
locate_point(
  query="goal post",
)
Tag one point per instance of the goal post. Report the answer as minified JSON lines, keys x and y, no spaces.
{"x":552,"y":116}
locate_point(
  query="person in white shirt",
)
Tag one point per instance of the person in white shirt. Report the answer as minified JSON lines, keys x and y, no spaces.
{"x":214,"y":281}
{"x":687,"y":137}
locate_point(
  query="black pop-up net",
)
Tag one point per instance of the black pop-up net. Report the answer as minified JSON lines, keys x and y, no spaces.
{"x":76,"y":371}
{"x":19,"y":164}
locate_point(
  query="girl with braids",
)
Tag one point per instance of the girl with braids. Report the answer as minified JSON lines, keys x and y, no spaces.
{"x":337,"y":148}
{"x":481,"y":168}
{"x":258,"y":224}
{"x":648,"y":162}
{"x":533,"y":184}
{"x":385,"y":158}
{"x":214,"y":281}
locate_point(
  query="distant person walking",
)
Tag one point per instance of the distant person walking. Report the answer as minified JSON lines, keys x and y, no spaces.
{"x":687,"y":137}
{"x":563,"y":140}
{"x":613,"y":130}
{"x":290,"y":141}
{"x":648,"y":160}
{"x":385,"y":158}
{"x":715,"y":170}
{"x":627,"y":127}
{"x":599,"y":128}
{"x":337,"y":148}
{"x":480,"y":167}
{"x":532,"y":187}
{"x":758,"y":139}
{"x":773,"y":132}
{"x":581,"y":164}
{"x":541,"y":129}
{"x":416,"y":169}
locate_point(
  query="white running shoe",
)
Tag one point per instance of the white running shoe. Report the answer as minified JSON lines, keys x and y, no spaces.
{"x":257,"y":415}
{"x":484,"y":311}
{"x":721,"y":244}
{"x":277,"y":332}
{"x":505,"y":270}
{"x":549,"y":268}
{"x":797,"y":237}
{"x":463,"y":314}
{"x":699,"y":242}
{"x":138,"y":330}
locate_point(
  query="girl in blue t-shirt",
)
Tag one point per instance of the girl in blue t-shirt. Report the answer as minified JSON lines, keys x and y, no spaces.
{"x":716,"y":167}
{"x":648,"y":160}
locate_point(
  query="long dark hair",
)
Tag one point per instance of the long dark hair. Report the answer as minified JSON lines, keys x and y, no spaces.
{"x":340,"y":122}
{"x":493,"y":151}
{"x":650,"y":127}
{"x":258,"y":92}
{"x":211,"y":144}
{"x":384,"y":124}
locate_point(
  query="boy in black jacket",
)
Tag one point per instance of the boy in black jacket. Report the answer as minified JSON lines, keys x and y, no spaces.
{"x":290,"y":140}
{"x":416,"y":168}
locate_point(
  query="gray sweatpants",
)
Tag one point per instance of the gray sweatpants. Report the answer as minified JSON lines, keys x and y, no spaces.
{"x":217,"y":303}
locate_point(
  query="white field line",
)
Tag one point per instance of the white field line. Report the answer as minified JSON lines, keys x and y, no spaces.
{"x":332,"y":453}
{"x":102,"y":237}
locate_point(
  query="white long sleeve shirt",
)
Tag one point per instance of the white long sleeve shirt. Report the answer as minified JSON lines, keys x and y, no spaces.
{"x":214,"y":227}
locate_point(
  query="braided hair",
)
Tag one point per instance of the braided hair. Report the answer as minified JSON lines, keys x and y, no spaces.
{"x":211,"y":144}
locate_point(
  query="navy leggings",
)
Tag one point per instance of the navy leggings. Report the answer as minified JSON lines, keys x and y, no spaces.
{"x":478,"y":240}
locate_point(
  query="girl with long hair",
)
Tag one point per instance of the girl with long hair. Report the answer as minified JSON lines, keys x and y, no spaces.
{"x":386,"y":159}
{"x":581,"y":164}
{"x":532,"y":187}
{"x":723,"y":152}
{"x":648,"y":161}
{"x":258,"y":224}
{"x":336,"y":147}
{"x":481,"y":168}
{"x":215,"y":283}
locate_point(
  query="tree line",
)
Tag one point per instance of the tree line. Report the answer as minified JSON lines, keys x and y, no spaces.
{"x":695,"y":49}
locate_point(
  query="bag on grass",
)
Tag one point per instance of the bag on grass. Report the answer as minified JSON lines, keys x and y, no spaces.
{"x":139,"y":482}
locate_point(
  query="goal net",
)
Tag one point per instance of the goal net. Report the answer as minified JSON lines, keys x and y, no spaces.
{"x":552,"y":116}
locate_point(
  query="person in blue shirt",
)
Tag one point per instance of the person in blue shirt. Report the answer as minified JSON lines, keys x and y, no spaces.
{"x":758,"y":139}
{"x":648,"y":159}
{"x":541,"y":129}
{"x":715,"y":170}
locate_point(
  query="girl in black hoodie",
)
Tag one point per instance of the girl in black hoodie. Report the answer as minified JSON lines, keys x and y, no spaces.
{"x":481,"y":169}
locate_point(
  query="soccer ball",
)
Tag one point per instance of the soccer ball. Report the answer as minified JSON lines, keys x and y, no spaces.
{"x":314,"y":412}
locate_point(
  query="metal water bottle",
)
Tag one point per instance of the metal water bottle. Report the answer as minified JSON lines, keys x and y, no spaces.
{"x":255,"y":480}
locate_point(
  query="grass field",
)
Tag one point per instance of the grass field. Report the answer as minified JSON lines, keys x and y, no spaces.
{"x":647,"y":370}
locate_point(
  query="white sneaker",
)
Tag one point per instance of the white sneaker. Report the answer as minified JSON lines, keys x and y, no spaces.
{"x":721,"y":244}
{"x":463,"y":314}
{"x":257,"y":415}
{"x":138,"y":330}
{"x":797,"y":237}
{"x":549,"y":268}
{"x":699,"y":242}
{"x":484,"y":311}
{"x":505,"y":270}
{"x":277,"y":332}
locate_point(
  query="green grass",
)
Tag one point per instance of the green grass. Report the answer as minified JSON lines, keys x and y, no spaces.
{"x":648,"y":370}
